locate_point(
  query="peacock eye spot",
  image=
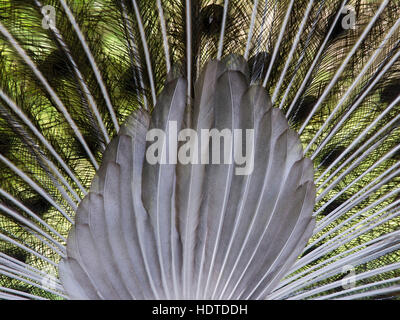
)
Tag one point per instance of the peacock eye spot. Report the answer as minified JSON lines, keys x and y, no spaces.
{"x":93,"y":141}
{"x":395,"y":200}
{"x":390,"y":92}
{"x":55,"y":65}
{"x":37,"y":204}
{"x":211,"y":19}
{"x":5,"y":143}
{"x":18,"y":254}
{"x":331,"y":155}
{"x":130,"y":81}
{"x":333,"y":206}
{"x":303,"y":108}
{"x":396,"y":155}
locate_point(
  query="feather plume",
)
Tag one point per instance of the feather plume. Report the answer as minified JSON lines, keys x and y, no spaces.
{"x":275,"y":222}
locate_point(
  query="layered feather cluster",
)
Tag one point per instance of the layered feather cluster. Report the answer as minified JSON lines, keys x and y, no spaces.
{"x":185,"y":231}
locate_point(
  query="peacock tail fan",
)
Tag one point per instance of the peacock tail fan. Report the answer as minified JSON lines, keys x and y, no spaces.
{"x":87,"y":213}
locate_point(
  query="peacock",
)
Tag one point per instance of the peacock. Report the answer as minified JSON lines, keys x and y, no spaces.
{"x":300,"y":100}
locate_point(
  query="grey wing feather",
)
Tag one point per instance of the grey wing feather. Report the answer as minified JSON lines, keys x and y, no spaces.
{"x":158,"y":179}
{"x":173,"y":231}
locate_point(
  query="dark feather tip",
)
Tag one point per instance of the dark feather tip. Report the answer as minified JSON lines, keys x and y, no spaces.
{"x":309,"y":250}
{"x":55,"y":66}
{"x":130,"y":81}
{"x":258,"y":65}
{"x":211,"y":18}
{"x":5,"y":143}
